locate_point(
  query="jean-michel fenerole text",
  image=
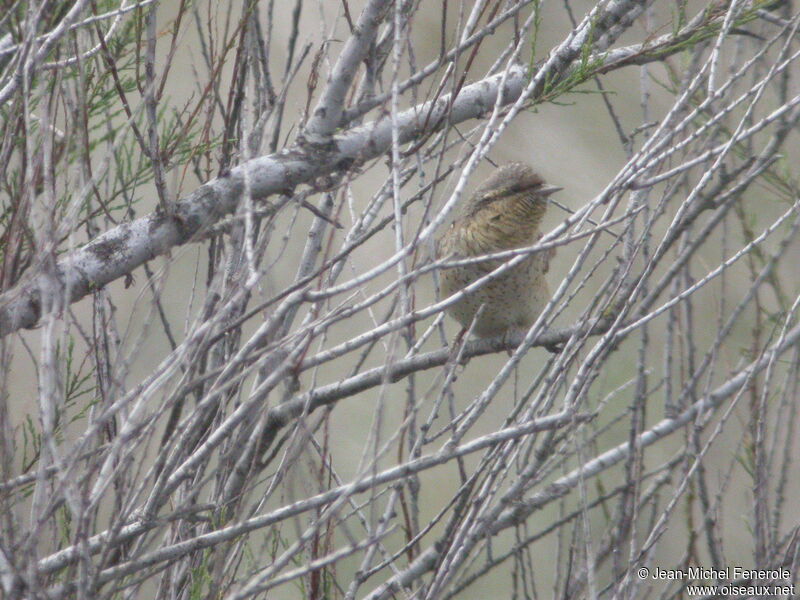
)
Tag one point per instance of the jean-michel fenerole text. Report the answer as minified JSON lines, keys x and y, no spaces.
{"x":726,"y":574}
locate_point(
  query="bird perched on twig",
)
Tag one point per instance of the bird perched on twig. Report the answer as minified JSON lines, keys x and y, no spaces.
{"x":503,"y":214}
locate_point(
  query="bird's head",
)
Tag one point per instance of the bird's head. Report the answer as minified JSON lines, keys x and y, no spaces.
{"x":515,"y":186}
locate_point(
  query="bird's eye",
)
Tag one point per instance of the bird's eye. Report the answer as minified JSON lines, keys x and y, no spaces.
{"x":487,"y":198}
{"x":522,"y":187}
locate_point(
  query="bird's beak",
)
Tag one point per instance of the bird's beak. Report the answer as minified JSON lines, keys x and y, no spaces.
{"x":546,"y":190}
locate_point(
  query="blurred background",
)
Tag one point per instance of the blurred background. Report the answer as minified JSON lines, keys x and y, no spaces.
{"x":237,"y":81}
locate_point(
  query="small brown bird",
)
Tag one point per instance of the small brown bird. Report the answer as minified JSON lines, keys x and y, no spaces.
{"x":503,"y":214}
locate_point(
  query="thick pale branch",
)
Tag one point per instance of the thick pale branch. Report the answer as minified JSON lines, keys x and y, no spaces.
{"x":128,"y":246}
{"x":282,"y":414}
{"x":119,"y":251}
{"x":329,"y":110}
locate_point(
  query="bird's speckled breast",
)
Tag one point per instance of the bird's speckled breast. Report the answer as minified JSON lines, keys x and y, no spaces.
{"x":514,"y":299}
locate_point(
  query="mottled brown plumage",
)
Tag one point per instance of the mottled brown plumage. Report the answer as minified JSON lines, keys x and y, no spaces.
{"x":504,"y":213}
